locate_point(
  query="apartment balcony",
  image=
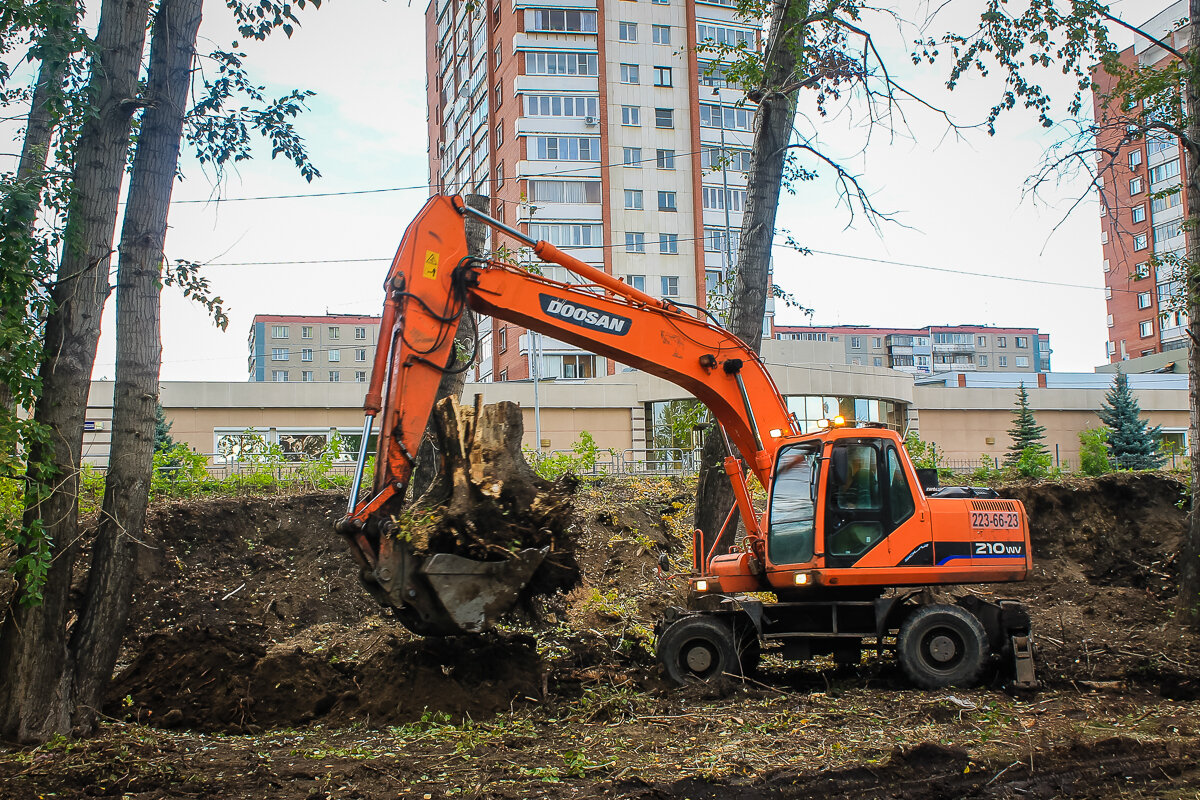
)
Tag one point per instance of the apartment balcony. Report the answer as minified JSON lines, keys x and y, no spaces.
{"x":900,"y":350}
{"x":899,"y":340}
{"x":966,"y":349}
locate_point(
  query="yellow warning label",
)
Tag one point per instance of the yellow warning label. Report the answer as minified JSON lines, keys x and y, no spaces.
{"x":431,"y":264}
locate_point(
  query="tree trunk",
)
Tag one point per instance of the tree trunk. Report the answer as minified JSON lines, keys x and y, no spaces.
{"x":97,"y":637}
{"x":464,"y":342}
{"x":35,"y":701}
{"x":21,"y":207}
{"x":1189,"y":573}
{"x":751,"y":278}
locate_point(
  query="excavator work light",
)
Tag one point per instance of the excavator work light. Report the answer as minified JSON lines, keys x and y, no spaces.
{"x":701,"y":586}
{"x":800,"y":578}
{"x":822,"y":424}
{"x":839,"y":421}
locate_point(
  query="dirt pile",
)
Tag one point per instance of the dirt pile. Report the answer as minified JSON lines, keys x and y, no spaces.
{"x":225,"y":679}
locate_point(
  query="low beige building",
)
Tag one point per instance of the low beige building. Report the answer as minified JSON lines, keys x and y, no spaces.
{"x":966,"y":414}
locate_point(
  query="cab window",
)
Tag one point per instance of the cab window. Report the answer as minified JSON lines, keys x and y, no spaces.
{"x":899,"y":494}
{"x":854,"y":517}
{"x":790,"y":535}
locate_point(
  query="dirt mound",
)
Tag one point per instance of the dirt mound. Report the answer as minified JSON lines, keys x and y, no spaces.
{"x":223,"y":679}
{"x":1122,"y":529}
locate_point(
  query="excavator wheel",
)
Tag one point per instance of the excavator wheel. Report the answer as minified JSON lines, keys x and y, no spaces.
{"x":942,"y":645}
{"x":698,"y":649}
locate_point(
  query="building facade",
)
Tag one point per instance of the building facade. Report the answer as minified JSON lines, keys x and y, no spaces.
{"x":933,"y":349}
{"x":597,"y":126}
{"x":1142,"y":208}
{"x":320,"y":349}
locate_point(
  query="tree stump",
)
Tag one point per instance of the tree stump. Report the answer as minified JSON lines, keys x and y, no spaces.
{"x":487,"y":503}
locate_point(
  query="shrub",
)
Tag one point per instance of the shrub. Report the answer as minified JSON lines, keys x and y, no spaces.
{"x":1093,"y":452}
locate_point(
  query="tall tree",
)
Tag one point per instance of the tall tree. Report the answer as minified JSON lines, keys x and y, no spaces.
{"x":1132,"y":443}
{"x":825,"y":50}
{"x":1025,"y":432}
{"x":35,"y":692}
{"x":107,"y":597}
{"x":1070,"y":38}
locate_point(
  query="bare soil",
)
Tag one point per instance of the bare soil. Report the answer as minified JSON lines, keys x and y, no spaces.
{"x":255,"y":666}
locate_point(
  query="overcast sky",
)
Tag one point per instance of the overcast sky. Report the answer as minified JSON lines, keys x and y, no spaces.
{"x":958,"y":203}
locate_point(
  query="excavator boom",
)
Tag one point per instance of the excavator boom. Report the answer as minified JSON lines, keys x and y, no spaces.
{"x":433,"y":280}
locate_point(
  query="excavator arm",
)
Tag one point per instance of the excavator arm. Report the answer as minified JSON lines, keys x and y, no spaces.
{"x":433,"y":280}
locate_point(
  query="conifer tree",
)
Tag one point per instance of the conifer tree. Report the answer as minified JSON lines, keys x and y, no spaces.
{"x":1131,"y":442}
{"x":1025,"y":431}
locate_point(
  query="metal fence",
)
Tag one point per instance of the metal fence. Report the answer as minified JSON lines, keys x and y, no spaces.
{"x":632,"y":461}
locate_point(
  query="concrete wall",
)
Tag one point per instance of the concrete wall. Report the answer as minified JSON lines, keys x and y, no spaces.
{"x":962,"y":420}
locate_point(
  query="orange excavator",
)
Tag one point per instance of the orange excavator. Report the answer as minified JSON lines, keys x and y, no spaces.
{"x":851,"y":544}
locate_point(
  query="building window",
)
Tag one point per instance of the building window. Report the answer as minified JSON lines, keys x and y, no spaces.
{"x":1160,"y":204}
{"x":1135,"y":158}
{"x":661,"y":34}
{"x":714,"y":198}
{"x":1001,"y":341}
{"x":502,"y":339}
{"x":1135,"y":186}
{"x":715,"y":240}
{"x":631,"y":115}
{"x":335,"y":355}
{"x":306,"y":354}
{"x":1138,"y":213}
{"x":578,"y":366}
{"x":360,"y":354}
{"x":1146,"y":328}
{"x":500,"y":175}
{"x":664,"y":118}
{"x":735,"y":160}
{"x":1002,"y":361}
{"x":306,"y":331}
{"x":733,"y":37}
{"x":335,"y":332}
{"x":877,"y":362}
{"x":670,"y":286}
{"x":360,"y":333}
{"x":662,"y":76}
{"x":1111,"y":347}
{"x":665,"y":159}
{"x":279,"y":331}
{"x":982,"y":341}
{"x":279,"y":375}
{"x":360,"y":377}
{"x":499,"y":133}
{"x":635,"y":242}
{"x":499,"y":94}
{"x":668,"y":244}
{"x":497,"y":56}
{"x":632,"y":156}
{"x":1022,"y":341}
{"x":564,"y":148}
{"x":564,"y":191}
{"x":1167,"y":231}
{"x":1141,"y":270}
{"x":1108,"y":293}
{"x":637,"y":282}
{"x":728,"y":117}
{"x":666,"y":201}
{"x":633,"y":199}
{"x":1143,"y":299}
{"x":548,"y":63}
{"x":1022,"y":361}
{"x":568,"y":234}
{"x":1139,"y":242}
{"x":553,"y":19}
{"x":660,"y":2}
{"x":983,"y":361}
{"x":279,"y":354}
{"x":561,"y":105}
{"x":1103,"y":237}
{"x":629,"y":73}
{"x":335,"y":376}
{"x":627,"y":31}
{"x":855,"y":342}
{"x":306,"y":376}
{"x":1164,"y":171}
{"x":504,"y":374}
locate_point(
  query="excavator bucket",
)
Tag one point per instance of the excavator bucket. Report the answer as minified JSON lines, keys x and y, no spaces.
{"x":445,"y":594}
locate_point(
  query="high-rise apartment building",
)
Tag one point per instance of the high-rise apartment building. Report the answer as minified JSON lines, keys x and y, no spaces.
{"x":595,"y":126}
{"x":1141,"y":217}
{"x":321,"y":349}
{"x":936,"y":348}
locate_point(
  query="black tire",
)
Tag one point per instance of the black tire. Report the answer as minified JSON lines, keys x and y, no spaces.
{"x":698,"y":649}
{"x":943,"y":645}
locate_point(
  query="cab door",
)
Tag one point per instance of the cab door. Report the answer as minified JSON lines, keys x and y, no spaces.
{"x":871,"y":513}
